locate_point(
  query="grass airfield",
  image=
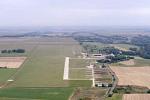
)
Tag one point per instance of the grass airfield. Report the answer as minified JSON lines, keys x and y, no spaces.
{"x":41,"y":75}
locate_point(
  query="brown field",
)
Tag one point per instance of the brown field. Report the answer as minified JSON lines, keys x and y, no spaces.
{"x":136,"y":97}
{"x":138,"y":76}
{"x":11,"y":62}
{"x":129,"y":62}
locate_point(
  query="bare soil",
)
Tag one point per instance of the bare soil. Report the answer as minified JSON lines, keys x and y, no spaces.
{"x":136,"y":97}
{"x":11,"y":62}
{"x":136,"y":76}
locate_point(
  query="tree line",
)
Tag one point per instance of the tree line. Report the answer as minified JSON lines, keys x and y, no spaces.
{"x":144,"y":43}
{"x":13,"y":51}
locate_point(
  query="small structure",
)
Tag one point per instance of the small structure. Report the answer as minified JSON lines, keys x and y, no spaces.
{"x":10,"y":80}
{"x":99,"y":84}
{"x":97,"y":55}
{"x":85,"y":55}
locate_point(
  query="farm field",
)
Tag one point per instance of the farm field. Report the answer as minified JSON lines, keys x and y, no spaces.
{"x":11,"y":62}
{"x":124,"y":47}
{"x":136,"y":97}
{"x":142,"y":62}
{"x":137,"y":76}
{"x":128,"y":63}
{"x":98,"y":44}
{"x":87,"y":93}
{"x":35,"y":93}
{"x":137,"y":62}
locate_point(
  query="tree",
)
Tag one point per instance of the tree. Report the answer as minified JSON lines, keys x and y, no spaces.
{"x":148,"y":91}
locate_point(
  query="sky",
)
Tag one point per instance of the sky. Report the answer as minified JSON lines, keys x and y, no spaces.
{"x":74,"y":12}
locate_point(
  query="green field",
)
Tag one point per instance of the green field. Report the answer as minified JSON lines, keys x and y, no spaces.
{"x":41,"y":76}
{"x":94,"y":47}
{"x":5,"y":75}
{"x":78,"y":68}
{"x":124,"y":46}
{"x":77,"y":74}
{"x":44,"y":58}
{"x":98,"y":44}
{"x":102,"y":45}
{"x":80,"y":83}
{"x":142,"y":62}
{"x":35,"y":93}
{"x":138,"y":63}
{"x":79,"y":63}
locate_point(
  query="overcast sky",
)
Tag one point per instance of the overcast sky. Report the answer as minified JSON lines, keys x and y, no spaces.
{"x":74,"y":12}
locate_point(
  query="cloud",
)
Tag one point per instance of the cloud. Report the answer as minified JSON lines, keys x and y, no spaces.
{"x":74,"y":12}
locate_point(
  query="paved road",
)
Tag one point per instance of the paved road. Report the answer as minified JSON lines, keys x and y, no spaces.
{"x":66,"y":69}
